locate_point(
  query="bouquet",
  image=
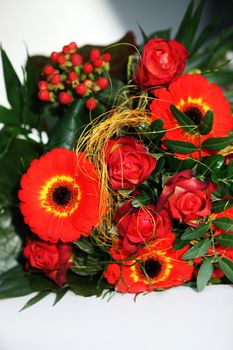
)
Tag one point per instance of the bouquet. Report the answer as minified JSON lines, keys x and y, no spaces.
{"x":116,"y":166}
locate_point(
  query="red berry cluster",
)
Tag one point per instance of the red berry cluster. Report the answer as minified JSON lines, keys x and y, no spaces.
{"x":68,"y":76}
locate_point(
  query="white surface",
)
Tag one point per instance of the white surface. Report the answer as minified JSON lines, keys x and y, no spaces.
{"x":178,"y":319}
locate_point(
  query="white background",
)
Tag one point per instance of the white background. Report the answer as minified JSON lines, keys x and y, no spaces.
{"x":177,"y":319}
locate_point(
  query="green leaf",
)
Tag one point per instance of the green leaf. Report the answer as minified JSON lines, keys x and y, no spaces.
{"x":35,"y":299}
{"x":180,"y":146}
{"x":221,"y":205}
{"x":199,"y":249}
{"x":204,"y":274}
{"x":85,"y":245}
{"x":14,"y":164}
{"x":141,"y":200}
{"x":13,"y":85}
{"x":194,"y":233}
{"x":39,"y":282}
{"x":184,"y":121}
{"x":227,"y":267}
{"x":9,"y":117}
{"x":217,"y":143}
{"x":225,"y":239}
{"x":156,"y":130}
{"x":210,"y":164}
{"x":14,"y":283}
{"x":5,"y":140}
{"x":180,"y":244}
{"x":185,"y":22}
{"x":144,"y":35}
{"x":225,"y":224}
{"x":10,"y":243}
{"x":86,"y":286}
{"x":206,"y":124}
{"x":60,"y":294}
{"x":70,"y":127}
{"x":165,"y":34}
{"x":113,"y":95}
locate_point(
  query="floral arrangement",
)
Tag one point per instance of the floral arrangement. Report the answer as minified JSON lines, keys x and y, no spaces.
{"x":116,"y":166}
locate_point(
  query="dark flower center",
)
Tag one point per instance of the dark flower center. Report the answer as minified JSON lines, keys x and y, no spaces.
{"x":152,"y":267}
{"x":61,"y":195}
{"x":194,"y":114}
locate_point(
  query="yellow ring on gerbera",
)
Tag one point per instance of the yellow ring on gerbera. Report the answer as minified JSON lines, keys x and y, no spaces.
{"x":198,"y":102}
{"x":138,"y":275}
{"x":68,"y":194}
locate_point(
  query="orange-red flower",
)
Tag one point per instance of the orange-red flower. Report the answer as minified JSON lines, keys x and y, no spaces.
{"x":193,"y":95}
{"x":60,"y":196}
{"x":156,"y":266}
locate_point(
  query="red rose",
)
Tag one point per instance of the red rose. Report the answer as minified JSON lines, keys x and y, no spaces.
{"x":186,"y":198}
{"x":162,"y":62}
{"x":128,"y":162}
{"x":140,"y":225}
{"x":53,"y":259}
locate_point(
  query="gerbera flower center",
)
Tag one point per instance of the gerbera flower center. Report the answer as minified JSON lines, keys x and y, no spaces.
{"x":152,"y":267}
{"x":195,"y":114}
{"x":61,"y":195}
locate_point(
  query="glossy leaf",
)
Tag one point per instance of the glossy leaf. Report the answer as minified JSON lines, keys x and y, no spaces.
{"x":194,"y":233}
{"x":206,"y":124}
{"x":221,"y":205}
{"x":35,"y":299}
{"x":225,"y":239}
{"x":184,"y":121}
{"x":210,"y":164}
{"x":14,"y":283}
{"x":180,"y":146}
{"x":86,"y":286}
{"x":199,"y":249}
{"x":204,"y":274}
{"x":227,"y":267}
{"x":60,"y":294}
{"x":217,"y":143}
{"x":223,"y":223}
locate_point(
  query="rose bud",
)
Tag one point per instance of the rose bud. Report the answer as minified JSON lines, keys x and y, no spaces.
{"x":140,"y":225}
{"x":186,"y":198}
{"x":161,"y":63}
{"x":52,"y":259}
{"x":128,"y":162}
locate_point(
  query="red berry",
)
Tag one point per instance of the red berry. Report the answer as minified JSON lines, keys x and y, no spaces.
{"x":94,"y":55}
{"x":217,"y":273}
{"x":87,"y":68}
{"x":66,"y":50}
{"x":48,"y":70}
{"x":197,"y":260}
{"x":61,"y":59}
{"x":91,"y":104}
{"x":56,"y":79}
{"x":107,"y":57}
{"x":42,"y":85}
{"x":98,"y":63}
{"x":54,"y":56}
{"x":73,"y":46}
{"x":44,"y":95}
{"x":81,"y":89}
{"x":102,"y":83}
{"x":65,"y":98}
{"x":76,"y":59}
{"x":73,"y":76}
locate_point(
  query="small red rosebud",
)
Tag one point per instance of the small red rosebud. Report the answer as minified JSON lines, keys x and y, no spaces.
{"x":73,"y":46}
{"x":102,"y":83}
{"x":81,"y":89}
{"x":61,"y":59}
{"x":66,"y":50}
{"x":44,"y":95}
{"x":107,"y":57}
{"x":48,"y":70}
{"x":73,"y":76}
{"x":42,"y":85}
{"x":76,"y":59}
{"x":56,"y":79}
{"x":54,"y":56}
{"x":217,"y":273}
{"x":98,"y":63}
{"x":65,"y":98}
{"x":91,"y":104}
{"x":94,"y":55}
{"x":87,"y":68}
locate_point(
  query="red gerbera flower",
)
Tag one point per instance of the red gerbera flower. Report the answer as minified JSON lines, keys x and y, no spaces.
{"x":194,"y":96}
{"x":60,"y":196}
{"x":156,"y":266}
